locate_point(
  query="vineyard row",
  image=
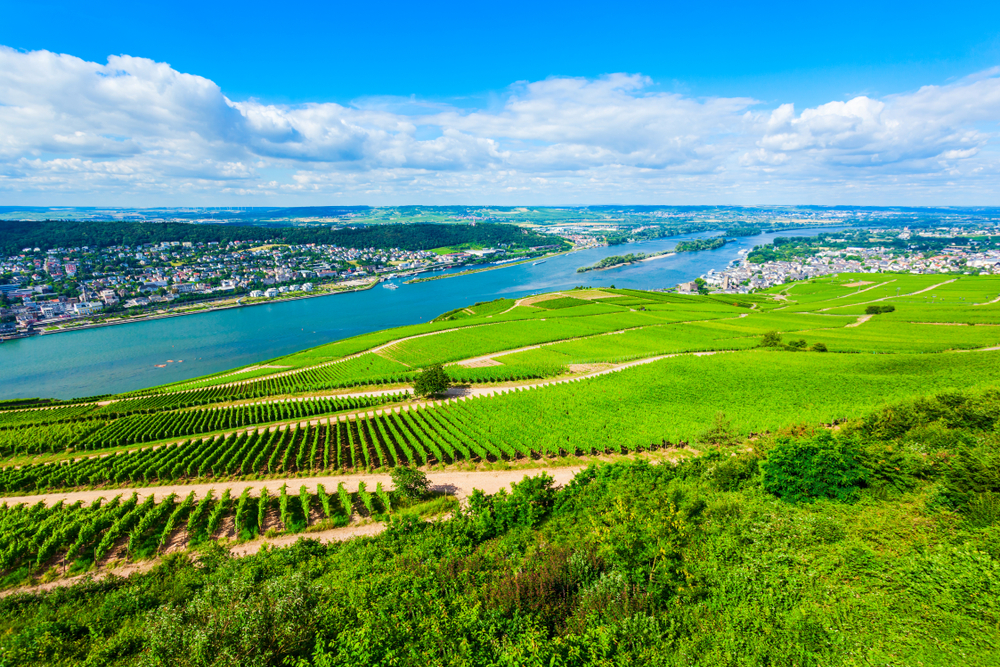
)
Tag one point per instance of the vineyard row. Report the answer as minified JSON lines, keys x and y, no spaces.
{"x":34,"y":537}
{"x":150,"y":428}
{"x":462,"y":431}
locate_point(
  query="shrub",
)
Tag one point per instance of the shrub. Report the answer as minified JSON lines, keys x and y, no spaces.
{"x":810,"y":469}
{"x":818,"y":347}
{"x":409,"y":482}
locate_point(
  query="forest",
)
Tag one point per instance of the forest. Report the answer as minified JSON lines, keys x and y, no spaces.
{"x":18,"y":234}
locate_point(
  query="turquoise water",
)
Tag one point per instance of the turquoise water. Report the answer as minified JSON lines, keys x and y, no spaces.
{"x":123,"y":358}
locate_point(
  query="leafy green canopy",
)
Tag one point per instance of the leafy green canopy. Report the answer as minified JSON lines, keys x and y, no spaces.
{"x":820,"y":467}
{"x":431,"y":381}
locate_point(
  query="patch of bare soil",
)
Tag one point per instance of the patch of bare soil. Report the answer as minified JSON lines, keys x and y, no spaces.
{"x":123,"y":571}
{"x":588,"y":368}
{"x":479,"y":363}
{"x":860,"y":283}
{"x":227,"y":529}
{"x":331,"y":535}
{"x":176,"y":542}
{"x":590,"y":295}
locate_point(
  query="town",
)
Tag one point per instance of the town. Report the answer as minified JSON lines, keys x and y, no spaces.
{"x":68,"y":287}
{"x":958,"y":250}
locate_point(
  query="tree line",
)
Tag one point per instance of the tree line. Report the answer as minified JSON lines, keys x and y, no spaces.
{"x":16,"y":235}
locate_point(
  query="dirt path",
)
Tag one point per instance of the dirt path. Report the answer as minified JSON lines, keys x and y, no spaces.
{"x":242,"y":549}
{"x":471,"y":363}
{"x":861,"y":320}
{"x":862,"y":303}
{"x":457,"y":483}
{"x":986,"y":303}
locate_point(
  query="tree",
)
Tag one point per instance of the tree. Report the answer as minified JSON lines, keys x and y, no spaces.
{"x":771,"y":339}
{"x":818,"y":347}
{"x":431,"y":381}
{"x":720,"y":433}
{"x":410,"y":482}
{"x":702,"y":285}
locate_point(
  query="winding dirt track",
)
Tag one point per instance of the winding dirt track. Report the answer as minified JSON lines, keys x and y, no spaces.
{"x":457,"y":483}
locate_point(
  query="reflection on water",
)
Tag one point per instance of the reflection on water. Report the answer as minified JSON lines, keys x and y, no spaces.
{"x":128,"y":357}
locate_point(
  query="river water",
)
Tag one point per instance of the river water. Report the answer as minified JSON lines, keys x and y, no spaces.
{"x":123,"y":358}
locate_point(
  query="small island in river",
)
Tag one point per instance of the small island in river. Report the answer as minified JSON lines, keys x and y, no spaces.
{"x":631,"y":258}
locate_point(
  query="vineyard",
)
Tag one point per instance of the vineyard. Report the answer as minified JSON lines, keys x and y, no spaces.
{"x":31,"y":417}
{"x":643,"y":408}
{"x":46,"y":439}
{"x":418,"y":436}
{"x":35,"y":537}
{"x":158,"y":426}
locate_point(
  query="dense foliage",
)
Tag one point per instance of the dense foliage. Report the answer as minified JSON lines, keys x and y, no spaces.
{"x":613,"y":260}
{"x":431,"y":381}
{"x":695,"y":245}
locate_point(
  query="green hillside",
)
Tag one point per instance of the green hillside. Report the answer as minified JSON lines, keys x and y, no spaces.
{"x":784,"y":478}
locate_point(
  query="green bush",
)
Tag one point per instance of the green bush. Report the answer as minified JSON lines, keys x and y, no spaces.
{"x":771,"y":339}
{"x":804,"y":470}
{"x":431,"y":381}
{"x":409,"y":482}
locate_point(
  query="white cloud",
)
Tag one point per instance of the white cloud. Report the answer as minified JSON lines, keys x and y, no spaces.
{"x":137,"y":131}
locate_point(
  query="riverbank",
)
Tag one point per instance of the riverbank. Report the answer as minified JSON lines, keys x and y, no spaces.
{"x":209,"y":309}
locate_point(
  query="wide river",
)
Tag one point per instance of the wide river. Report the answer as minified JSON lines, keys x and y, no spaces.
{"x":123,"y":358}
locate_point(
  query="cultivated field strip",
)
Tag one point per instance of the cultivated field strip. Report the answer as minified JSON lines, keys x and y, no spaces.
{"x":659,"y":406}
{"x":161,"y":425}
{"x":36,"y":536}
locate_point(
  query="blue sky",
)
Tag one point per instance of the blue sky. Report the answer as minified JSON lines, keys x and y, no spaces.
{"x":226,"y":103}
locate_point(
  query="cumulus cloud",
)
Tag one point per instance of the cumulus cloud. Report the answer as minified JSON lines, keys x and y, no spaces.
{"x":928,"y":131}
{"x":135,"y":128}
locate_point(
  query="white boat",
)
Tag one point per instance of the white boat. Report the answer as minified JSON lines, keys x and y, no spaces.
{"x":541,"y":261}
{"x":390,"y":286}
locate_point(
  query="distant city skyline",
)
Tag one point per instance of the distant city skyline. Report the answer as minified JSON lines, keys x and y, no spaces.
{"x":331,"y":105}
